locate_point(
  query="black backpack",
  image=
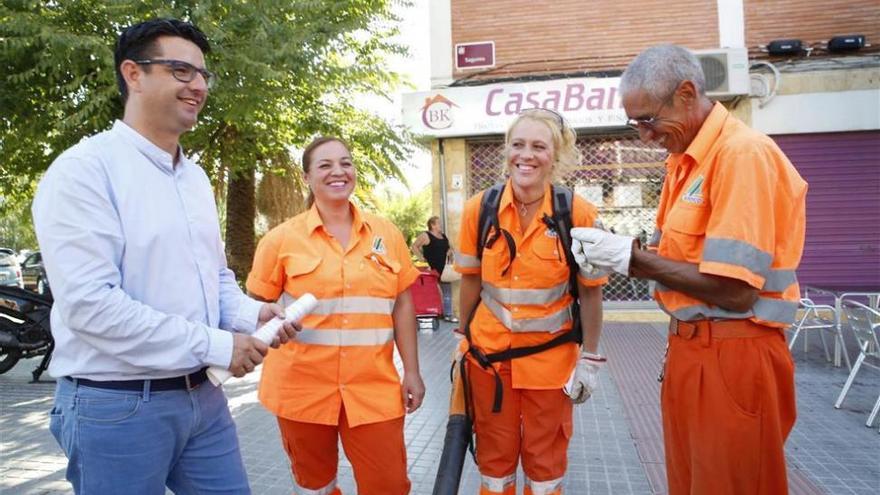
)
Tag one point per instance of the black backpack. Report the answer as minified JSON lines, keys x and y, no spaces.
{"x":489,"y":233}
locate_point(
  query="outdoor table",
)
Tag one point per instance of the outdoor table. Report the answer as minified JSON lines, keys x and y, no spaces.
{"x":839,"y":293}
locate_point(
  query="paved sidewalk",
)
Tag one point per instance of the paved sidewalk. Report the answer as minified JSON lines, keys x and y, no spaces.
{"x":612,"y":452}
{"x":603,"y":459}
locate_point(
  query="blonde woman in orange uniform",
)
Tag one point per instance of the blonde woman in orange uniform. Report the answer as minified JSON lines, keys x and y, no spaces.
{"x":521,"y":299}
{"x":337,"y":378}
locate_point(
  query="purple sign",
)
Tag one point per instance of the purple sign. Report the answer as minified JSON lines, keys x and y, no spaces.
{"x":475,"y":55}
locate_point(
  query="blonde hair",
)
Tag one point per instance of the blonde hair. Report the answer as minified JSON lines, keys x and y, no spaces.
{"x":566,"y":155}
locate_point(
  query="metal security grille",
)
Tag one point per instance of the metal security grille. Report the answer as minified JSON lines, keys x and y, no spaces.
{"x":619,"y":174}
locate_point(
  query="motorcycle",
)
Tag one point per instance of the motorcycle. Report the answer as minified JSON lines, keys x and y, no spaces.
{"x":24,"y":329}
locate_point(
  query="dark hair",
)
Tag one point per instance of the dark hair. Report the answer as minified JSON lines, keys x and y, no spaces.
{"x":307,"y":157}
{"x":432,"y":220}
{"x":138,"y":42}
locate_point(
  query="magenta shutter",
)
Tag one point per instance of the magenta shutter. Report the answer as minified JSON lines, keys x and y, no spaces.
{"x":843,"y":206}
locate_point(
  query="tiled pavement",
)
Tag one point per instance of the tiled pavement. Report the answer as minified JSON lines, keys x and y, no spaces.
{"x":835,"y":447}
{"x":612,"y":452}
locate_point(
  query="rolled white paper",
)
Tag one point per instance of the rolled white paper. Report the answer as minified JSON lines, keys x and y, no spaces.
{"x":295,"y":312}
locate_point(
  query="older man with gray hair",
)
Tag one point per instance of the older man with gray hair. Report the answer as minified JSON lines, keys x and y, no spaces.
{"x":730,"y":233}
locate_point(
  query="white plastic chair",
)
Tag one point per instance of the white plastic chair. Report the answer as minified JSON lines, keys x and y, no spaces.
{"x":865,"y":323}
{"x":814,"y":319}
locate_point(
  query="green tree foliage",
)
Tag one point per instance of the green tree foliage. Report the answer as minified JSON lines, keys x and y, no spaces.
{"x":409,"y":213}
{"x":16,"y":226}
{"x":288,"y":70}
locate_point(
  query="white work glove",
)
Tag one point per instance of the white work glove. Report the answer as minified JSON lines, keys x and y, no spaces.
{"x":584,"y":379}
{"x":596,"y":248}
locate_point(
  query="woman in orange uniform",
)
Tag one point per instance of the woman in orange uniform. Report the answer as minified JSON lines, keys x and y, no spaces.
{"x":520,"y":298}
{"x":337,"y":378}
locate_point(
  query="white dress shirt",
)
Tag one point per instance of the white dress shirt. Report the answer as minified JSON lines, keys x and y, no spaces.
{"x":132,"y":249}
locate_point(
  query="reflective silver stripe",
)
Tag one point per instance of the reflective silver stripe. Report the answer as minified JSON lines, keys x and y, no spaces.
{"x":775,"y":310}
{"x":703,"y":312}
{"x":549,"y":323}
{"x":594,"y":274}
{"x":765,"y":309}
{"x":466,"y":261}
{"x":526,"y":296}
{"x":776,"y":281}
{"x":343,"y":338}
{"x":779,"y":280}
{"x":326,"y":490}
{"x":347,"y":305}
{"x":737,"y":253}
{"x":655,"y":238}
{"x":286,"y":299}
{"x":548,"y":487}
{"x":498,"y":484}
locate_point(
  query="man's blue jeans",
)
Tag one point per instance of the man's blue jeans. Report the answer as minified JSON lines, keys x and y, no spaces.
{"x":120,"y":441}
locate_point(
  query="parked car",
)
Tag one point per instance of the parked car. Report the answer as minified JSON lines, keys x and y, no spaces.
{"x":23,"y":254}
{"x":10,"y":271}
{"x":33,"y":274}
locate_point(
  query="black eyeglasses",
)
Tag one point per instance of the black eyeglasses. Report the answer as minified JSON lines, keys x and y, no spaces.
{"x":650,"y":122}
{"x":182,"y":71}
{"x":556,"y":115}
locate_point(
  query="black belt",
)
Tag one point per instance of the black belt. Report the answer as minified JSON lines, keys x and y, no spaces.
{"x":185,"y":382}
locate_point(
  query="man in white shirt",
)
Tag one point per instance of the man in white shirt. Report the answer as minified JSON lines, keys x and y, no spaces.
{"x":144,"y":301}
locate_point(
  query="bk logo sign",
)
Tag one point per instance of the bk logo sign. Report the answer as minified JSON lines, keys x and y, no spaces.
{"x":437,"y":112}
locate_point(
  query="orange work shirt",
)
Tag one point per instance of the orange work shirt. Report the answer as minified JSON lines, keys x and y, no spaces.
{"x":344,"y":353}
{"x":530,"y":303}
{"x":733,"y":204}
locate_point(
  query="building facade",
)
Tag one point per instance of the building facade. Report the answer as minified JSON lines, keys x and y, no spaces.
{"x":492,"y":59}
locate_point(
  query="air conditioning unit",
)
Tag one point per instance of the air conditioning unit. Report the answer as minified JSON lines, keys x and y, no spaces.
{"x":726,"y":71}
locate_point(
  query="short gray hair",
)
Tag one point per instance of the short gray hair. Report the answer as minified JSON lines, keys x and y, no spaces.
{"x":660,"y":69}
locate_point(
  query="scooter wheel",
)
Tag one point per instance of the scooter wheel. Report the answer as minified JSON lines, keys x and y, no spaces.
{"x":8,"y":357}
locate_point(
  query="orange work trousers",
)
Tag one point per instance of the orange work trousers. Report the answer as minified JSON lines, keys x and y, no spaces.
{"x":533,"y":424}
{"x":376,"y":451}
{"x":728,"y":405}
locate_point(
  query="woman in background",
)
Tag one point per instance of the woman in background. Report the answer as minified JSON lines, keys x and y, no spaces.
{"x":432,"y":246}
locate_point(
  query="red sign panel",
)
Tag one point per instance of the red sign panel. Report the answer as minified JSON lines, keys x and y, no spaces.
{"x":475,"y":55}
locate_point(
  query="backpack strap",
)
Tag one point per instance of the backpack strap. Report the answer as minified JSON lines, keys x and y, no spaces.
{"x":488,"y":227}
{"x":488,"y":218}
{"x":563,"y":204}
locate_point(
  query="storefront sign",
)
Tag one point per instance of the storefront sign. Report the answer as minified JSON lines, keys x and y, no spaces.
{"x":475,"y":55}
{"x":586,"y":103}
